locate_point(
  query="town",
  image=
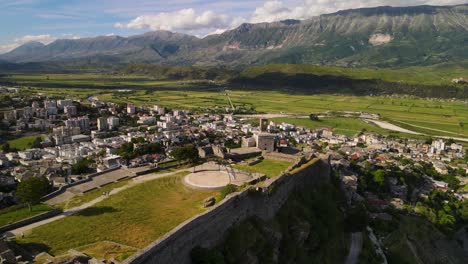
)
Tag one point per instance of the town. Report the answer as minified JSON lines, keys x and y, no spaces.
{"x":72,"y":141}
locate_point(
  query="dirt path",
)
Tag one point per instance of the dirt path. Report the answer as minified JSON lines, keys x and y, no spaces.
{"x":72,"y":211}
{"x":355,"y":248}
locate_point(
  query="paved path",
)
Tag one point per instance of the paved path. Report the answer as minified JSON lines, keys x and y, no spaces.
{"x":393,"y":127}
{"x":68,"y":212}
{"x":355,"y":248}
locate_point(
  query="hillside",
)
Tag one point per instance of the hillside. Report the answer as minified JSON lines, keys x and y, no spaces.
{"x":382,"y":37}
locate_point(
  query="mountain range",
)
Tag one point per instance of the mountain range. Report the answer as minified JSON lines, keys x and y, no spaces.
{"x":369,"y":37}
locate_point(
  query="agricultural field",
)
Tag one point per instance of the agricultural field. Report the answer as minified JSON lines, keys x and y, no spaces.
{"x":340,"y":125}
{"x":443,"y":115}
{"x":420,"y":115}
{"x":133,"y":219}
{"x":270,"y":168}
{"x":95,"y":81}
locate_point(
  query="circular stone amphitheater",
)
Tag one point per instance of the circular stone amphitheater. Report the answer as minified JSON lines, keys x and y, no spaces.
{"x":212,"y":176}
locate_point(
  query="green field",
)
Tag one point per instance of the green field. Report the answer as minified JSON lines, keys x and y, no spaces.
{"x":16,"y":213}
{"x":22,"y":143}
{"x":441,"y":74}
{"x":135,"y":217}
{"x":446,"y":115}
{"x":270,"y":168}
{"x":340,"y":125}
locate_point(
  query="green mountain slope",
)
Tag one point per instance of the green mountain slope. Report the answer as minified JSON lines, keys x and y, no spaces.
{"x":381,"y":37}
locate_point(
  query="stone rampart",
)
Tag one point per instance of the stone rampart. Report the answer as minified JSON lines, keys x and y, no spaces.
{"x":210,"y":227}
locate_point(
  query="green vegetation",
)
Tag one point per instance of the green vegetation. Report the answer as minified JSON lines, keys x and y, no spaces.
{"x":83,"y":166}
{"x":24,"y":142}
{"x":128,"y":150}
{"x":409,"y":243}
{"x":135,"y":217}
{"x":269,"y":167}
{"x":16,"y":213}
{"x":108,"y":250}
{"x":228,"y":189}
{"x":79,"y":200}
{"x":430,"y":115}
{"x":31,"y":190}
{"x":441,"y":74}
{"x":340,"y":125}
{"x":186,"y":153}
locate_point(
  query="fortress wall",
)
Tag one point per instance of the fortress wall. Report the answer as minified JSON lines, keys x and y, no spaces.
{"x":209,"y":228}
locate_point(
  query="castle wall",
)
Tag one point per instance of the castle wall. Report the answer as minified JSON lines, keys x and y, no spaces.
{"x":209,"y":228}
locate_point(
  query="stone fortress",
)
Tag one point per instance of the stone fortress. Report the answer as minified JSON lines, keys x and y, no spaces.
{"x":210,"y":227}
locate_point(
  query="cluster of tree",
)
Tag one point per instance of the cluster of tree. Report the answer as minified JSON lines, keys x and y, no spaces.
{"x":31,"y":190}
{"x":180,"y":72}
{"x":6,"y":148}
{"x":186,"y":153}
{"x":443,"y":209}
{"x":82,"y":166}
{"x":314,"y":117}
{"x":128,"y":150}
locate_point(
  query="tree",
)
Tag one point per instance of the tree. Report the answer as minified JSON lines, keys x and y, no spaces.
{"x":37,"y":143}
{"x":31,"y":190}
{"x":6,"y":147}
{"x":187,"y":152}
{"x":82,"y":166}
{"x":314,"y":117}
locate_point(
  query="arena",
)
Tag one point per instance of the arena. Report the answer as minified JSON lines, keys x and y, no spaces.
{"x":213,"y":176}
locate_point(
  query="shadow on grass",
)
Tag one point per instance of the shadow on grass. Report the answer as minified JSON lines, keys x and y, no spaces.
{"x":93,"y":211}
{"x":28,"y":249}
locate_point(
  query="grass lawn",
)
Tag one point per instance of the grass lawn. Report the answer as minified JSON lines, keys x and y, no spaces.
{"x":270,"y":168}
{"x":135,"y":217}
{"x":22,"y":143}
{"x":89,"y":196}
{"x":16,"y":213}
{"x":108,"y":250}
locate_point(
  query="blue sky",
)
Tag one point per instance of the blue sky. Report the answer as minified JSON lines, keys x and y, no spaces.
{"x":46,"y":20}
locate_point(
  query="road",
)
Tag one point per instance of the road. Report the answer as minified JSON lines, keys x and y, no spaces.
{"x":355,"y":248}
{"x":393,"y":127}
{"x":72,"y":211}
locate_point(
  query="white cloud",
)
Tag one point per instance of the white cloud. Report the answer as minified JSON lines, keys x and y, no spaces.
{"x":44,"y":39}
{"x":209,"y":22}
{"x":279,"y":10}
{"x":7,"y":47}
{"x":183,"y":20}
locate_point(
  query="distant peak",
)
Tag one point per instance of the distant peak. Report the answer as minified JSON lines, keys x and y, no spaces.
{"x":33,"y":44}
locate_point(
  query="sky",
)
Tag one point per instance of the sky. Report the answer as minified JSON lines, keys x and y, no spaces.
{"x":22,"y":21}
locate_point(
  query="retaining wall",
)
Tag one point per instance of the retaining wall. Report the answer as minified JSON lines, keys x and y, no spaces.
{"x":209,"y":228}
{"x":30,"y":220}
{"x":62,"y":189}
